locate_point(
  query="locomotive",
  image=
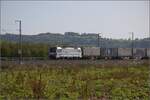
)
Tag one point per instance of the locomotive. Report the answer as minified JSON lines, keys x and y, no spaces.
{"x":67,"y":52}
{"x":98,"y":53}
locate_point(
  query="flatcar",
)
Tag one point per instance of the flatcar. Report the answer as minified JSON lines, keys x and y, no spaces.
{"x":91,"y":52}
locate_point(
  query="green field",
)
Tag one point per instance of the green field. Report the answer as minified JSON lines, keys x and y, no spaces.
{"x":75,"y":81}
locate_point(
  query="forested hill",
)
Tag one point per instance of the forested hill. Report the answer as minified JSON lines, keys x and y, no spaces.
{"x":75,"y":39}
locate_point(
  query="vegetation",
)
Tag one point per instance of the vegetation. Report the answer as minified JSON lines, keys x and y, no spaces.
{"x":10,"y":49}
{"x":58,"y":81}
{"x":75,"y":39}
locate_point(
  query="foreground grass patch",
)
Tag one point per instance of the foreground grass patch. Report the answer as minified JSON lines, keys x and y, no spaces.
{"x":77,"y":82}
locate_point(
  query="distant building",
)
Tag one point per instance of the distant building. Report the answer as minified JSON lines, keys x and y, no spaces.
{"x":89,"y":34}
{"x":71,"y":34}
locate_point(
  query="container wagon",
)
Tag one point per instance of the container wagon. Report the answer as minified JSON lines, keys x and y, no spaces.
{"x":148,"y":53}
{"x":124,"y":53}
{"x":91,"y":52}
{"x":139,"y":53}
{"x":110,"y":53}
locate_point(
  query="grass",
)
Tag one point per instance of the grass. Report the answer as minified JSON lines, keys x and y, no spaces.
{"x":75,"y":82}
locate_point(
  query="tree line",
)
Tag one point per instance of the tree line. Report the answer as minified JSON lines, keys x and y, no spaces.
{"x":75,"y":39}
{"x":10,"y":49}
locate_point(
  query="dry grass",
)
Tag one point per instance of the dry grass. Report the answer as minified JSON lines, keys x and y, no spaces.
{"x":72,"y":80}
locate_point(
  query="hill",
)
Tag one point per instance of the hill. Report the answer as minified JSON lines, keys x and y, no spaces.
{"x":75,"y":39}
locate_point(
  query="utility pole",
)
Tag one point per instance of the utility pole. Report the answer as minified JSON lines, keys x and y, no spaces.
{"x":132,"y":39}
{"x":149,"y":35}
{"x":98,"y":39}
{"x":20,"y":42}
{"x":132,"y":42}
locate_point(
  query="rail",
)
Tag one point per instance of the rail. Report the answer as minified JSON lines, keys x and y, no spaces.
{"x":23,"y":58}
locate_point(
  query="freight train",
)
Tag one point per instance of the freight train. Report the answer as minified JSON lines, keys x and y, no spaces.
{"x":98,"y":53}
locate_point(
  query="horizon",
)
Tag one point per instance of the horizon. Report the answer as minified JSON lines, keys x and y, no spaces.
{"x":115,"y":17}
{"x":79,"y":34}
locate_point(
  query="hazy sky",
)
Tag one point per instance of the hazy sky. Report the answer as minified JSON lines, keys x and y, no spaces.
{"x":115,"y":17}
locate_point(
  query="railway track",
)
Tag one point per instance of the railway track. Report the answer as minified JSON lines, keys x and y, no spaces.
{"x":75,"y":63}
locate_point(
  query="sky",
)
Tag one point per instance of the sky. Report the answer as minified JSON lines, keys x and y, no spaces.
{"x":114,"y":19}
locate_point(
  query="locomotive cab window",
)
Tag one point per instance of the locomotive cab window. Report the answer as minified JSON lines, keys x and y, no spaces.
{"x":52,"y":49}
{"x":59,"y":50}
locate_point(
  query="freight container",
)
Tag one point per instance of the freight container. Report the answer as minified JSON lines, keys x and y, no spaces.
{"x":139,"y":52}
{"x":124,"y":52}
{"x":91,"y":51}
{"x":109,"y":52}
{"x":148,"y":52}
